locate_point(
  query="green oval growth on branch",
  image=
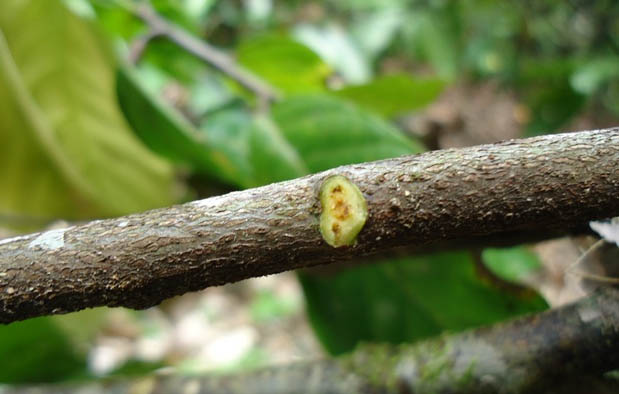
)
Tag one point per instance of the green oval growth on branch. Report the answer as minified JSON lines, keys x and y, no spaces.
{"x":344,"y":211}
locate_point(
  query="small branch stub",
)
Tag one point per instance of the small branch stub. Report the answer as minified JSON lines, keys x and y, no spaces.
{"x":344,"y":211}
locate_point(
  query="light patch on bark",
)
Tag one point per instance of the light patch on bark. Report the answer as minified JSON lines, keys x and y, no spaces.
{"x":50,"y":240}
{"x":14,"y":239}
{"x":588,"y":314}
{"x":477,"y":356}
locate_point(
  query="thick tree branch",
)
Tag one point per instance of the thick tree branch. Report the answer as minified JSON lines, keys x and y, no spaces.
{"x":565,"y":350}
{"x":547,"y":184}
{"x":162,"y":28}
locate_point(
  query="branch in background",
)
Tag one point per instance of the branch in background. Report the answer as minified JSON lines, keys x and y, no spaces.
{"x":564,"y":350}
{"x":161,"y":28}
{"x":138,"y":46}
{"x":553,"y":183}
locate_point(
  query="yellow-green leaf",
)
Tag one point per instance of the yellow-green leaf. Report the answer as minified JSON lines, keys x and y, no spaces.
{"x":395,"y":94}
{"x":67,"y":150}
{"x":290,"y":66}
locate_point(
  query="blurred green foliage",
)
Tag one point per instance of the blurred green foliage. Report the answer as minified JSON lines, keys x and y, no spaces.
{"x":37,"y":350}
{"x":169,"y":134}
{"x":512,"y":264}
{"x":267,"y":307}
{"x":284,"y":63}
{"x":329,"y":132}
{"x":403,"y":300}
{"x":393,"y":94}
{"x":86,"y":135}
{"x":70,"y":153}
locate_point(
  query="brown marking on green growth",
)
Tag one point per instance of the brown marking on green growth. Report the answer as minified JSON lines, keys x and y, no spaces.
{"x":344,"y":211}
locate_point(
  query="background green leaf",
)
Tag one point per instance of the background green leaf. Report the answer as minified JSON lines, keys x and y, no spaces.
{"x":64,"y":128}
{"x":288,"y":65}
{"x":405,"y":300}
{"x":167,"y":133}
{"x":255,"y":146}
{"x":391,"y":95}
{"x":328,"y":132}
{"x":229,"y":132}
{"x":36,"y":350}
{"x":512,"y":264}
{"x":31,"y":183}
{"x":271,"y":156}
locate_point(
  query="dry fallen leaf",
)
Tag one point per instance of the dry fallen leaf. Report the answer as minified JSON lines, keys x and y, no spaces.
{"x":608,"y":229}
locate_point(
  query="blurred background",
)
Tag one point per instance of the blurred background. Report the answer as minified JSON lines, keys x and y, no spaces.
{"x":109,"y":107}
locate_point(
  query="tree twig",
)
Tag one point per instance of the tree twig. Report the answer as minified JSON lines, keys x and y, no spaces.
{"x":555,"y":183}
{"x":138,"y":46}
{"x":565,"y":350}
{"x":206,"y":52}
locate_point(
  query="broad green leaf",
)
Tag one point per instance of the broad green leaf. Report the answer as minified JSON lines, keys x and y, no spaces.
{"x":393,"y":94}
{"x":36,"y":350}
{"x":512,"y":264}
{"x":286,"y":64}
{"x":166,"y":132}
{"x":158,"y":126}
{"x":405,"y":300}
{"x":363,"y":304}
{"x":229,"y":132}
{"x":328,"y":132}
{"x":272,"y":158}
{"x":30,"y":181}
{"x":67,"y":151}
{"x":255,"y":147}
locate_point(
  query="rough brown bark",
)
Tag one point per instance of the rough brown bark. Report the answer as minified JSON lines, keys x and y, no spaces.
{"x":565,"y":350}
{"x":552,"y":183}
